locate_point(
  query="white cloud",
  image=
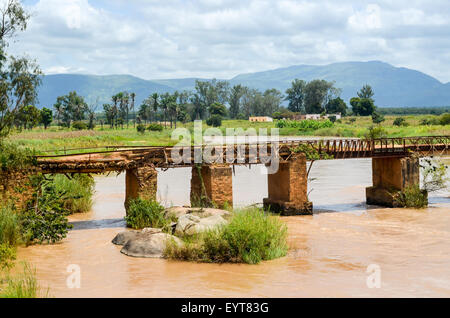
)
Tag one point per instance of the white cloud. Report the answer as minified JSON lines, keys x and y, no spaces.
{"x":204,"y":38}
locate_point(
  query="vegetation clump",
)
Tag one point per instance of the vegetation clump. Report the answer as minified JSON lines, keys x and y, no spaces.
{"x":23,"y":285}
{"x":79,"y":125}
{"x":44,"y":219}
{"x":13,"y":156}
{"x":445,"y":119}
{"x":76,"y":192}
{"x":251,"y":237}
{"x":305,"y":125}
{"x":10,"y":236}
{"x":155,"y":127}
{"x":146,"y":213}
{"x":412,"y":197}
{"x":400,"y":121}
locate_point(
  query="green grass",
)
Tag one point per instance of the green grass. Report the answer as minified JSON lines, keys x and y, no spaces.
{"x":251,"y":237}
{"x":78,"y":192}
{"x":10,"y":232}
{"x":24,"y":285}
{"x":146,"y":213}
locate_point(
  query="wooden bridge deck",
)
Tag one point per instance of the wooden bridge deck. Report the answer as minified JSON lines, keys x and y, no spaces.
{"x":119,"y":158}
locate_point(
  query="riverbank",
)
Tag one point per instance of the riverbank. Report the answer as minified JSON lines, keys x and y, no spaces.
{"x":328,"y":253}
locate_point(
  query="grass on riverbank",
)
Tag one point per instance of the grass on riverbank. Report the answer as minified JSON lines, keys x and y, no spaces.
{"x":251,"y":237}
{"x":78,"y":192}
{"x":22,"y":285}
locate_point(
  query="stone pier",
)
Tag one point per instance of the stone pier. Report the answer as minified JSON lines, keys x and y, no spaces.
{"x":212,"y":185}
{"x":141,"y":183}
{"x":288,"y":188}
{"x":391,"y":176}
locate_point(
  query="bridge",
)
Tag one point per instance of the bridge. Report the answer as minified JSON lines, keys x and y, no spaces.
{"x":395,"y":166}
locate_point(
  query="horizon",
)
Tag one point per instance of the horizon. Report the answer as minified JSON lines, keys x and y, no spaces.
{"x":222,"y":39}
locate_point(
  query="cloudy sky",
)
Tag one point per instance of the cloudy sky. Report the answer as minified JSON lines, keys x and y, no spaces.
{"x":222,"y":38}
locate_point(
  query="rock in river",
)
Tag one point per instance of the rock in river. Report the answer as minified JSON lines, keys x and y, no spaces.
{"x":190,"y":224}
{"x":177,"y":211}
{"x":148,"y":245}
{"x":123,"y":237}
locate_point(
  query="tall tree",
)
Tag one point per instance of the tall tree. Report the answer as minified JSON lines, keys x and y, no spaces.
{"x":317,"y":95}
{"x":271,"y":101}
{"x":336,"y":105}
{"x":72,"y":107}
{"x":111,"y":114}
{"x":235,"y":100}
{"x":296,"y":96}
{"x":366,"y":92}
{"x":133,"y":99}
{"x":46,"y":117}
{"x":19,"y":77}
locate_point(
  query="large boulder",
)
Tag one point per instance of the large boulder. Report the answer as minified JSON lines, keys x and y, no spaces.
{"x":177,"y":212}
{"x":149,"y":245}
{"x":123,"y":237}
{"x":190,"y":224}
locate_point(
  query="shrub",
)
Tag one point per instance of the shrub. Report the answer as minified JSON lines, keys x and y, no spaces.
{"x":44,"y":218}
{"x":79,"y":125}
{"x":146,"y":213}
{"x":400,"y":121}
{"x":214,"y":120}
{"x":7,"y":256}
{"x":250,"y":237}
{"x":412,"y":197}
{"x":77,"y":192}
{"x":375,"y":133}
{"x":305,"y":125}
{"x":445,"y":119}
{"x":155,"y":127}
{"x":14,"y":157}
{"x":377,"y":118}
{"x":140,"y":128}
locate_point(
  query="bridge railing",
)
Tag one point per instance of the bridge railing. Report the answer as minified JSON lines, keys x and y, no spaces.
{"x":338,"y":148}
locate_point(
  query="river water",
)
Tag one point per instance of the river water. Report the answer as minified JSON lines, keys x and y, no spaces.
{"x":329,"y":254}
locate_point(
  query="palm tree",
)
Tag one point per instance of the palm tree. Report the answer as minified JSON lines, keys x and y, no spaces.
{"x":115,"y":100}
{"x":133,"y":97}
{"x":155,"y":98}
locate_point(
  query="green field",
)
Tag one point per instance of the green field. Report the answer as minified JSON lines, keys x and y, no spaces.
{"x":59,"y":138}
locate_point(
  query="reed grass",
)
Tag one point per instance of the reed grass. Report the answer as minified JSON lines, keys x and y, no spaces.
{"x":23,"y":285}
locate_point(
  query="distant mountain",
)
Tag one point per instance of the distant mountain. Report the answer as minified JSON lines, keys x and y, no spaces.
{"x":393,"y":86}
{"x":93,"y":87}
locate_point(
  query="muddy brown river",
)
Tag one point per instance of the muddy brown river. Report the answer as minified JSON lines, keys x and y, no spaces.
{"x":329,"y":255}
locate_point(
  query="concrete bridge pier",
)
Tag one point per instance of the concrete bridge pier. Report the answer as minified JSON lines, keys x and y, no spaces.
{"x":212,"y":185}
{"x":141,"y":182}
{"x":390,"y":176}
{"x":288,"y":188}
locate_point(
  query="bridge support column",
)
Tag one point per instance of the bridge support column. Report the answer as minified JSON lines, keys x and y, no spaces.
{"x":391,"y":176}
{"x":288,"y":188}
{"x":212,"y":185}
{"x":141,"y":183}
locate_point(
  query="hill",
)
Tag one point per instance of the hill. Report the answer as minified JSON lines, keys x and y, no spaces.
{"x":393,"y":86}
